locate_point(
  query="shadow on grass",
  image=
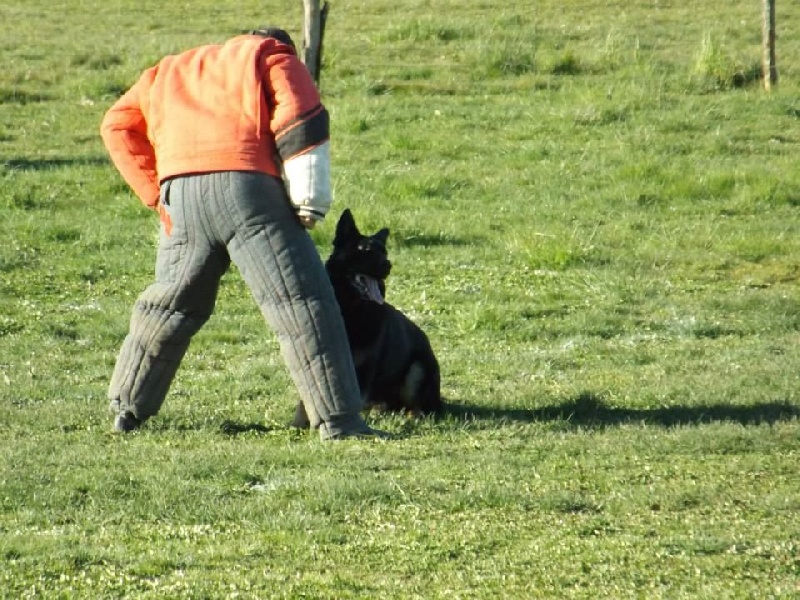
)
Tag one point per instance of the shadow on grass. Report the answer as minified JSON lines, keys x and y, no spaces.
{"x":233,"y":428}
{"x":423,"y":240}
{"x":41,"y":164}
{"x":588,"y":410}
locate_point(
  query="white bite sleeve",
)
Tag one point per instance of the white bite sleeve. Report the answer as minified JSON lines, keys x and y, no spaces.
{"x":308,"y":179}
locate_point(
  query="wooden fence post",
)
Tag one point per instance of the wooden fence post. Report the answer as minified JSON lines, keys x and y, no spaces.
{"x":769,"y":68}
{"x":313,"y":32}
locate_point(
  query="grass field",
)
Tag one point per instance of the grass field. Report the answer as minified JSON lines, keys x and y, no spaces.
{"x":595,"y":216}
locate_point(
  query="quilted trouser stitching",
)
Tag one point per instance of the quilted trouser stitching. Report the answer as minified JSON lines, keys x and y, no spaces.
{"x":285,"y":319}
{"x":236,"y":226}
{"x":279,"y":309}
{"x":152,"y":364}
{"x":316,"y":367}
{"x":148,"y":373}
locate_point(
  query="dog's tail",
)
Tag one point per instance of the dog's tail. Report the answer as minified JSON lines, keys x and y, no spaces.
{"x":427,"y":378}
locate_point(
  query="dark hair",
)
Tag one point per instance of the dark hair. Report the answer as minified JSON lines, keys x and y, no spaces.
{"x":273,"y":32}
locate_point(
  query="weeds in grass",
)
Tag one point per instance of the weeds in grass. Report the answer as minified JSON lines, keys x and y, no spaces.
{"x":716,"y":68}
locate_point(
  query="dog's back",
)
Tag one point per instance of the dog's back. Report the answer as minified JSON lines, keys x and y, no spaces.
{"x":403,"y":374}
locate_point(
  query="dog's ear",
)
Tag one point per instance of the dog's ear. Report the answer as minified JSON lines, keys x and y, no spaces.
{"x":345,"y":228}
{"x":381,"y":236}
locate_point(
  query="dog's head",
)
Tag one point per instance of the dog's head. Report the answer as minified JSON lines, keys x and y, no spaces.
{"x":360,"y":259}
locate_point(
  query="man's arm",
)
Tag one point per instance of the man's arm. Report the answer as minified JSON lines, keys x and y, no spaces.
{"x":124,"y":132}
{"x":300,"y":124}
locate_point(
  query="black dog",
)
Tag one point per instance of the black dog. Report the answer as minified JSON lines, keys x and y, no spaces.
{"x":396,"y":367}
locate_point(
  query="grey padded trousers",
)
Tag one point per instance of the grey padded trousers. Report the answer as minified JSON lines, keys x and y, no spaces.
{"x":245,"y":218}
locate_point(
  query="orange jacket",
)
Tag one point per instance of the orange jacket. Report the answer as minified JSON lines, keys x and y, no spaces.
{"x":223,"y":107}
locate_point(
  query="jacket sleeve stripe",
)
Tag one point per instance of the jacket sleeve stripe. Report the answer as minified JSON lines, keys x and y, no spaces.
{"x":320,"y":215}
{"x":304,"y":133}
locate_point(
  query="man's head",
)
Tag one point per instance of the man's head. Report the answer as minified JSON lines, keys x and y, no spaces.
{"x":274,"y":32}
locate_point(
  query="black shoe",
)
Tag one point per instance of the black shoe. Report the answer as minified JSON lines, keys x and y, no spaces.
{"x":126,"y":422}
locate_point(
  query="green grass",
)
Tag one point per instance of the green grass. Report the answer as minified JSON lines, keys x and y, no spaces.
{"x":594,"y":215}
